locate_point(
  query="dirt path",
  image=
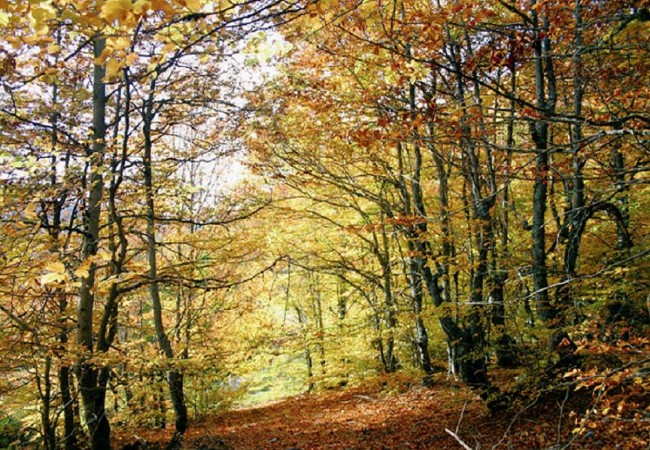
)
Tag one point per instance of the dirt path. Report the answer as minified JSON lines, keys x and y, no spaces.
{"x":354,"y":419}
{"x":399,"y":416}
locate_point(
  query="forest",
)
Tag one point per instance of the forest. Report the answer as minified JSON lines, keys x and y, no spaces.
{"x":330,"y":223}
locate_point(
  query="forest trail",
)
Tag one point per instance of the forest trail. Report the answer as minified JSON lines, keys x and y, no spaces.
{"x":354,"y":419}
{"x":396,"y":416}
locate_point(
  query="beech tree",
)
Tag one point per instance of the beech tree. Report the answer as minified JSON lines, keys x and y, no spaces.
{"x":410,"y":179}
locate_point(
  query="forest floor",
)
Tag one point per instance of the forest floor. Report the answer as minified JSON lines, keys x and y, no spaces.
{"x":398,"y":413}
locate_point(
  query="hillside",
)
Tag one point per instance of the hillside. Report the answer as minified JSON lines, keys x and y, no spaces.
{"x":398,"y":413}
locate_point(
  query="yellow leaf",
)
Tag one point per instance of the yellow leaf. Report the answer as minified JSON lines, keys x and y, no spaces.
{"x":53,"y":49}
{"x":116,"y":9}
{"x":70,"y":14}
{"x":194,"y":5}
{"x":56,"y":266}
{"x":83,"y":269}
{"x":30,"y":212}
{"x":121,"y":43}
{"x":40,"y":15}
{"x":131,"y":59}
{"x":113,"y":68}
{"x":141,"y":6}
{"x":162,"y":5}
{"x":52,"y":278}
{"x":103,"y":255}
{"x":56,"y":273}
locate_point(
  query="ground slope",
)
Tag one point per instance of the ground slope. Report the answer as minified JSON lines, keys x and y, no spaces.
{"x":400,"y":414}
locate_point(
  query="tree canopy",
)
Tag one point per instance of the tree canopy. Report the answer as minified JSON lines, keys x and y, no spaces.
{"x":210,"y":202}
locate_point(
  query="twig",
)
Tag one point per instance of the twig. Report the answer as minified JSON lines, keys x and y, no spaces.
{"x":460,"y":441}
{"x":561,"y":415}
{"x":460,"y":419}
{"x":515,"y":418}
{"x":366,"y":397}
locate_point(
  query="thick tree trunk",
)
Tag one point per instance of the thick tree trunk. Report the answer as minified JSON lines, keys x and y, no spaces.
{"x":505,"y":345}
{"x":415,"y":265}
{"x":471,"y":363}
{"x":69,"y":428}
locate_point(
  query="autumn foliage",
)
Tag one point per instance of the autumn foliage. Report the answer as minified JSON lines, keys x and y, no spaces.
{"x":407,"y":216}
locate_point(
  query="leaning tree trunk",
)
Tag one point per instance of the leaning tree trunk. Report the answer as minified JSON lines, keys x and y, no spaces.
{"x":174,"y":376}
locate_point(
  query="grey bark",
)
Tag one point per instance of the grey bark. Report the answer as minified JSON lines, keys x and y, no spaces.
{"x":415,"y":261}
{"x":69,"y":429}
{"x":546,"y":94}
{"x":381,"y":250}
{"x":174,"y":376}
{"x":93,"y":395}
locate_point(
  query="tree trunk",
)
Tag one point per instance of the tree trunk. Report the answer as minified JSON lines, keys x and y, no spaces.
{"x":64,"y":373}
{"x":618,"y":163}
{"x":545,"y":92}
{"x":505,"y":345}
{"x":174,"y":376}
{"x":317,"y":307}
{"x":44,"y":384}
{"x":92,"y":395}
{"x":382,"y":254}
{"x":416,"y":260}
{"x":308,"y":358}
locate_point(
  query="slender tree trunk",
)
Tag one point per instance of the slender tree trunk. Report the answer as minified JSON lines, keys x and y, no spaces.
{"x":381,"y":251}
{"x":618,"y":163}
{"x":309,"y":361}
{"x":174,"y":376}
{"x":505,"y":345}
{"x":317,"y":307}
{"x":577,"y":212}
{"x":421,"y":335}
{"x":44,"y":384}
{"x":448,"y":249}
{"x":69,"y":428}
{"x":389,"y":304}
{"x":92,"y":395}
{"x":64,"y":373}
{"x":545,"y":92}
{"x":67,"y":399}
